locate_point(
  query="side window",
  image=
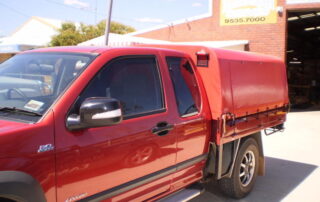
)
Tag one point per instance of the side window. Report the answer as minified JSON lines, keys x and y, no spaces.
{"x":134,"y":81}
{"x":185,"y":86}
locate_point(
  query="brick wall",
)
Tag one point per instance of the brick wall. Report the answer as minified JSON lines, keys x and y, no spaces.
{"x":263,"y":38}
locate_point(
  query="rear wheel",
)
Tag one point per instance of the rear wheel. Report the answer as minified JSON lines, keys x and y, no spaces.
{"x":245,"y":171}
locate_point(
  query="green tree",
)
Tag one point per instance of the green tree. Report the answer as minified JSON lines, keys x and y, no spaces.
{"x":115,"y":27}
{"x":70,"y":34}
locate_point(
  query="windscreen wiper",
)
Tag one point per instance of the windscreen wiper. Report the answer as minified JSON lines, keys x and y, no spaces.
{"x":18,"y":110}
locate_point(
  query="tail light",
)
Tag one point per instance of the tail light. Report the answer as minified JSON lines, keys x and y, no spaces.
{"x":202,"y":58}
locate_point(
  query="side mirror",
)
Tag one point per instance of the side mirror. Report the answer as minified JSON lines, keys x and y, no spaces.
{"x":96,"y":112}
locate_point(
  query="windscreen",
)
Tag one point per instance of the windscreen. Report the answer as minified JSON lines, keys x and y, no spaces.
{"x":32,"y":81}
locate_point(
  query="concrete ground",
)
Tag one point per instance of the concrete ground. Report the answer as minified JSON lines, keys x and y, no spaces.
{"x":292,"y":165}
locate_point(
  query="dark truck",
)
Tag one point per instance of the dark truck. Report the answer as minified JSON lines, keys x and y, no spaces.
{"x":135,"y":123}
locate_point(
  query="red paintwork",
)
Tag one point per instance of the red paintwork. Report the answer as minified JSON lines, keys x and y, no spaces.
{"x":106,"y":158}
{"x":240,"y":83}
{"x":19,"y":145}
{"x":93,"y":160}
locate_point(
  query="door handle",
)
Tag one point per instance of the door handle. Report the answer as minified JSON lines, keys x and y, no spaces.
{"x":162,"y":128}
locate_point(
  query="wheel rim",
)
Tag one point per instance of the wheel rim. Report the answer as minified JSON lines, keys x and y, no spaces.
{"x":247,"y":168}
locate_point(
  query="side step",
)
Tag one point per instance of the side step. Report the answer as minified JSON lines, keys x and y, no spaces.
{"x":184,"y":194}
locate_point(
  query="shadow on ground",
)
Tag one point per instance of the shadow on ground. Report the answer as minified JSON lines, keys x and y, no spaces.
{"x":281,"y":178}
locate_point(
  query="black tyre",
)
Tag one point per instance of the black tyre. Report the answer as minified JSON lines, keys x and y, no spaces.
{"x":244,"y":173}
{"x":6,"y":200}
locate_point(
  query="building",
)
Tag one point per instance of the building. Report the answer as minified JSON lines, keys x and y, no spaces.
{"x":289,"y":29}
{"x":34,"y":33}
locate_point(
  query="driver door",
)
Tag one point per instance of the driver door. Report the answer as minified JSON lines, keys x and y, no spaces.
{"x":101,"y":163}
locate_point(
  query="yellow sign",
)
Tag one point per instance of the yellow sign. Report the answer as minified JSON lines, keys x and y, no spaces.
{"x":244,"y":12}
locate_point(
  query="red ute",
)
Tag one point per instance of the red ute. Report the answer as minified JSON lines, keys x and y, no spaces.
{"x":138,"y":123}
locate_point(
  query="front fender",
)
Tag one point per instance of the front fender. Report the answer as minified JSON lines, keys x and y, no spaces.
{"x":20,"y":186}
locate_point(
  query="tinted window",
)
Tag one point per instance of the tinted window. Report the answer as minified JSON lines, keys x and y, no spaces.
{"x":185,"y":85}
{"x":134,"y":82}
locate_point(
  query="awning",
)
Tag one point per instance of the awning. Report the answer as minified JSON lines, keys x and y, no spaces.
{"x":118,"y":40}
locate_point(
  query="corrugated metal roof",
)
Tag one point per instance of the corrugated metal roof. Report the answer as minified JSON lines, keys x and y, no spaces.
{"x":118,"y":40}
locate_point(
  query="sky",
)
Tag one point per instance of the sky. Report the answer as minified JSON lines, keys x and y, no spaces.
{"x":141,"y":14}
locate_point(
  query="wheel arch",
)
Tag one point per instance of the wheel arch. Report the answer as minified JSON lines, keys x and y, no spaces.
{"x":20,"y":186}
{"x":222,"y":158}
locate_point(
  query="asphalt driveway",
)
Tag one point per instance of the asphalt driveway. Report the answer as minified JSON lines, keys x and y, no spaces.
{"x":292,"y":164}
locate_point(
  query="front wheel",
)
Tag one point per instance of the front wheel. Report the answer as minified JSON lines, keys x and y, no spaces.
{"x":244,"y":173}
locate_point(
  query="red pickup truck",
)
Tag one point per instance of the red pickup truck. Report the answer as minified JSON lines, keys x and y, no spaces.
{"x":136,"y":123}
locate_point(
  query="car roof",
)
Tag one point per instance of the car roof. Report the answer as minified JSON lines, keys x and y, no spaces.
{"x":72,"y":49}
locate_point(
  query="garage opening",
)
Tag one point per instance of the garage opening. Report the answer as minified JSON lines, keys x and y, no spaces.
{"x":303,"y":59}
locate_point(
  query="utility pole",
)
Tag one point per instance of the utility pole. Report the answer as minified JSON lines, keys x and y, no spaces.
{"x":108,"y":22}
